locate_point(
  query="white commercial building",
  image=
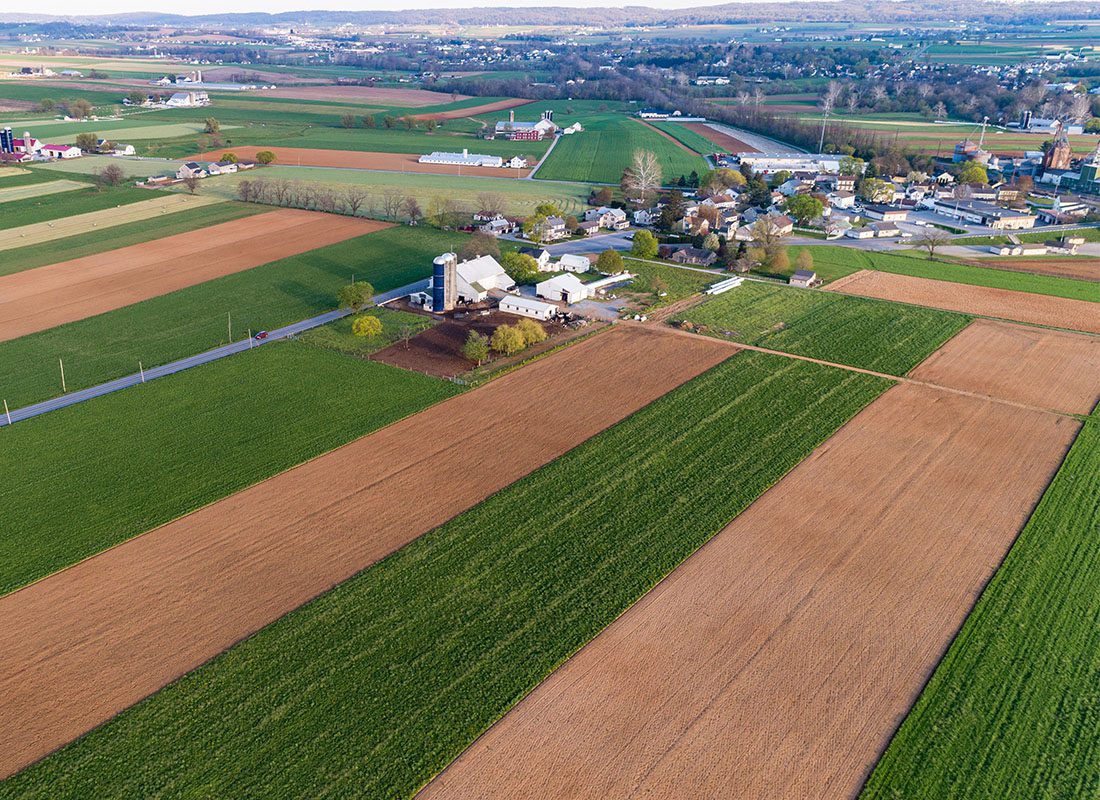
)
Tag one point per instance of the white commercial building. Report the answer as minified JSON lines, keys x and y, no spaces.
{"x":791,"y":162}
{"x":526,"y":307}
{"x":564,"y":288}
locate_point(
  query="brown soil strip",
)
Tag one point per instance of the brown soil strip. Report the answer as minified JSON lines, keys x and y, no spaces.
{"x":37,"y":299}
{"x":1078,"y":268}
{"x":473,"y":111}
{"x":354,"y":159}
{"x":1037,"y":367}
{"x":1037,"y":309}
{"x":364,"y":94}
{"x":668,"y":136}
{"x":781,"y":656}
{"x":79,"y":646}
{"x":723,"y":141}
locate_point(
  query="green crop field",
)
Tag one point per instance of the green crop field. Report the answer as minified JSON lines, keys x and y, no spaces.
{"x":104,"y":239}
{"x":873,"y":334}
{"x":844,"y":260}
{"x":696,"y":141}
{"x":605,"y":148}
{"x":9,"y":194}
{"x":141,"y":457}
{"x":374,"y":687}
{"x":192,"y":320}
{"x":71,"y":203}
{"x":1011,"y":710}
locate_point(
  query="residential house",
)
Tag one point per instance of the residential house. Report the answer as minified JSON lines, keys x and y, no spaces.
{"x":647,"y":216}
{"x":885,"y":230}
{"x":222,"y":168}
{"x":541,"y":256}
{"x":606,"y":217}
{"x":192,"y":169}
{"x":841,"y":200}
{"x":589,"y":228}
{"x":694,"y":255}
{"x":860,"y":233}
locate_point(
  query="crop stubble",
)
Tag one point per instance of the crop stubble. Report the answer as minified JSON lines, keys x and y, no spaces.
{"x":81,"y":645}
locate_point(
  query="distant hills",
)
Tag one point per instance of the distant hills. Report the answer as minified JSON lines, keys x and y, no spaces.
{"x":881,"y":11}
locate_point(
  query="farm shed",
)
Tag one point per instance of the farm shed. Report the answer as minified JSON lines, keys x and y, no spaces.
{"x":574,"y":263}
{"x":567,"y":288}
{"x":526,"y":307}
{"x":804,"y":278}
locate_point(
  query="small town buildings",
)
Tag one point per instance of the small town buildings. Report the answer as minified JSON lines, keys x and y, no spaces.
{"x":884,"y":213}
{"x":566,"y":288}
{"x":611,"y":218}
{"x":804,"y":279}
{"x":463,"y":159}
{"x":574,"y":263}
{"x":527,"y":307}
{"x":981,"y":213}
{"x":589,"y":228}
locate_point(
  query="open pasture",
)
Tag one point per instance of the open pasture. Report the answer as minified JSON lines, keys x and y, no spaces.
{"x":12,"y":193}
{"x":352,"y":159}
{"x":438,"y":641}
{"x":186,"y":591}
{"x":37,"y":299}
{"x":1054,"y":312}
{"x":778,"y":658}
{"x":872,"y":335}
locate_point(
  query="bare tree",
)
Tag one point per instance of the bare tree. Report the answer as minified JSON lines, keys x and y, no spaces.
{"x":392,"y":201}
{"x":1079,"y":108}
{"x":490,"y":202}
{"x":643,"y":178}
{"x":412,"y":210}
{"x":244,"y":191}
{"x":828,"y":100}
{"x":192,"y":183}
{"x":280,"y":190}
{"x":354,"y":197}
{"x":930,"y":239}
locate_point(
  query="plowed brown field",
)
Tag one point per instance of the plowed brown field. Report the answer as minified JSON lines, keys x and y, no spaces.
{"x":1037,"y":367}
{"x":364,"y":94}
{"x":1038,"y":309}
{"x":723,"y":141}
{"x":777,"y":661}
{"x":1085,"y":269}
{"x":81,"y":645}
{"x":355,"y":159}
{"x":473,"y":111}
{"x":37,"y":299}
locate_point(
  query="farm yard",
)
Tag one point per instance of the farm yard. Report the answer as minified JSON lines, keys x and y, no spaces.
{"x":229,"y":603}
{"x":42,"y":298}
{"x":1055,"y":312}
{"x":471,"y":580}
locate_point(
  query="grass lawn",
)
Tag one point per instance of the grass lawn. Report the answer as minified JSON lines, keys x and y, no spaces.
{"x":141,"y":457}
{"x":338,"y":335}
{"x":10,"y":193}
{"x":873,"y":334}
{"x":678,"y":283}
{"x":1088,"y":234}
{"x":374,"y":687}
{"x":104,"y":239}
{"x":194,"y":319}
{"x":605,"y":148}
{"x":81,"y":201}
{"x":1012,"y":711}
{"x":132,"y":167}
{"x":852,"y":260}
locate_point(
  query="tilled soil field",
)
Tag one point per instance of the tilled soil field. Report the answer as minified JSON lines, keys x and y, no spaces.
{"x":777,"y":661}
{"x":1085,"y":269}
{"x":724,"y":141}
{"x":81,"y":645}
{"x":41,"y":298}
{"x":1037,"y":367}
{"x":1037,"y":309}
{"x":355,"y":159}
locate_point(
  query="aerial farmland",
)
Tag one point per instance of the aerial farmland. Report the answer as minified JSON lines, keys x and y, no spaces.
{"x":468,"y":403}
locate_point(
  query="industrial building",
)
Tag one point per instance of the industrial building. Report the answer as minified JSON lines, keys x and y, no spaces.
{"x":766,"y":164}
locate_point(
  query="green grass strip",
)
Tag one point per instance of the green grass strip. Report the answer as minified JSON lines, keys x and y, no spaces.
{"x":80,"y":201}
{"x":872,"y":334}
{"x":1012,"y":710}
{"x":144,"y":456}
{"x":373,"y":688}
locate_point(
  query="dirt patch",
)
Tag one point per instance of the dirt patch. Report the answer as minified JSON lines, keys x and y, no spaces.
{"x":1037,"y":309}
{"x":78,"y":647}
{"x":724,"y":142}
{"x":780,"y":657}
{"x":364,"y":94}
{"x":1041,"y":368}
{"x":1079,"y":268}
{"x":15,"y":105}
{"x":37,"y":299}
{"x":473,"y":111}
{"x":354,"y":159}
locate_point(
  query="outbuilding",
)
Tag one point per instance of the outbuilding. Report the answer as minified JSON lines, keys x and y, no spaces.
{"x":574,"y":263}
{"x":567,"y":288}
{"x":804,"y":278}
{"x":527,"y":307}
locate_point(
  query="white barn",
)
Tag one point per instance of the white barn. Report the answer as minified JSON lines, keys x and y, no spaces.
{"x":566,"y":288}
{"x":526,"y":307}
{"x":574,"y":263}
{"x":478,"y":276}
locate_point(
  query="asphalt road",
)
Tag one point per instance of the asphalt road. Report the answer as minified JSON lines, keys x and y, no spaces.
{"x":72,"y":398}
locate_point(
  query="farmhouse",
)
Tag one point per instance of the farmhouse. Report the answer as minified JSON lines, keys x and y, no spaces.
{"x":566,"y":288}
{"x":527,"y":307}
{"x":463,"y":159}
{"x":466,"y":282}
{"x":541,"y":256}
{"x":192,"y":169}
{"x":606,"y":217}
{"x":222,"y":168}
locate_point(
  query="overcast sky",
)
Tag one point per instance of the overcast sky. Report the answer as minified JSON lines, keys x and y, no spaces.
{"x":213,"y":6}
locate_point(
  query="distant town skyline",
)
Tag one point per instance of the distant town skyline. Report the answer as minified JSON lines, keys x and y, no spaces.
{"x":201,"y":7}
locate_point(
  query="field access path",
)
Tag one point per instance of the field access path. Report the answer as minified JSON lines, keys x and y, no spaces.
{"x":41,"y":298}
{"x":83,"y":644}
{"x":780,"y":658}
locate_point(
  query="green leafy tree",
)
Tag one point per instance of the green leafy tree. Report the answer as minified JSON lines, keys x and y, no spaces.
{"x":348,"y":120}
{"x":973,"y":172}
{"x":211,"y":125}
{"x":355,"y":295}
{"x":520,"y":267}
{"x":609,"y":262}
{"x":804,"y":207}
{"x":548,"y":210}
{"x":476,"y":348}
{"x":644,"y":245}
{"x":508,"y":340}
{"x":367,"y":326}
{"x":480,"y":244}
{"x":87,"y":142}
{"x":265,"y":157}
{"x":804,"y":260}
{"x":533,"y":333}
{"x":602,"y":196}
{"x":230,"y":158}
{"x":136,"y":96}
{"x":850,"y":165}
{"x":876,"y":190}
{"x":535,"y":228}
{"x":711,"y":242}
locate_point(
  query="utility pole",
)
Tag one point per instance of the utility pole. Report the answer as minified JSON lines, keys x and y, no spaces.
{"x":62,"y":364}
{"x":824,"y":119}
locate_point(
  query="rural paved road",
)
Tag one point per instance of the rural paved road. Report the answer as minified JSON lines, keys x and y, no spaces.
{"x":72,"y":398}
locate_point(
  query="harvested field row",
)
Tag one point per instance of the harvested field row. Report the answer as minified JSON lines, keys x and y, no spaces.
{"x":39,"y":189}
{"x":365,"y":94}
{"x":37,"y":299}
{"x":161,"y":604}
{"x":1055,"y":312}
{"x":155,"y":206}
{"x":354,"y":159}
{"x":1079,"y":268}
{"x":779,"y":657}
{"x":439,"y":640}
{"x":724,"y":141}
